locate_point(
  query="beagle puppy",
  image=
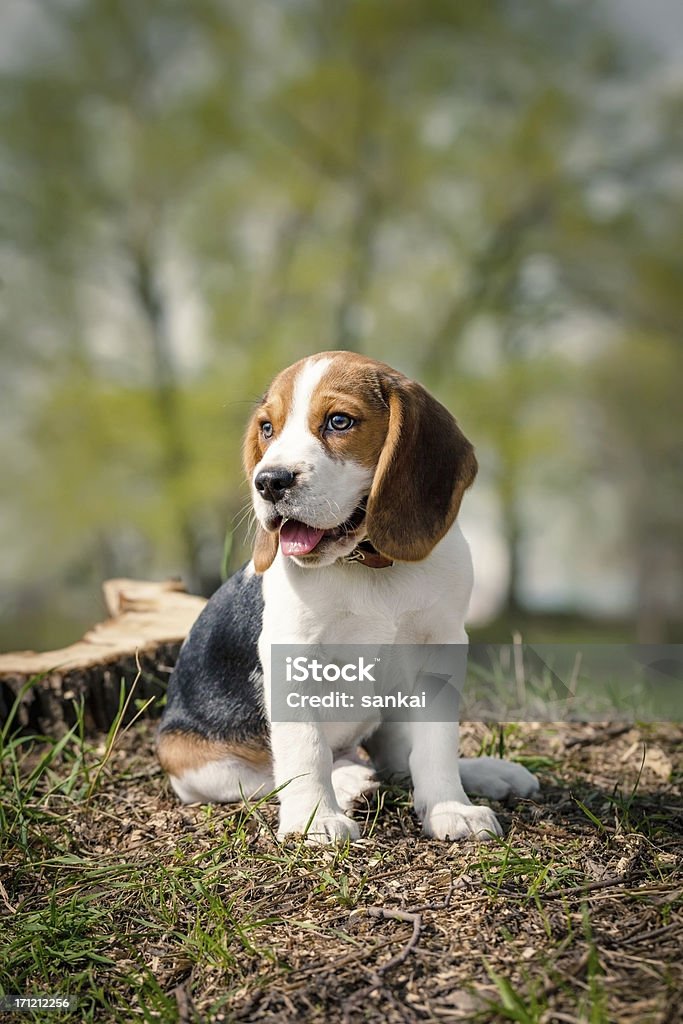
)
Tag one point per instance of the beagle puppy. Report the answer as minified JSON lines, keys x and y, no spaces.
{"x":357,"y":474}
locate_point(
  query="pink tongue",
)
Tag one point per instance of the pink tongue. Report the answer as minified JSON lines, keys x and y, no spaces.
{"x":297,"y":538}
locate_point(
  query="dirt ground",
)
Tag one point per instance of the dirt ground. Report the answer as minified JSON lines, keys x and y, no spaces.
{"x":197,"y":914}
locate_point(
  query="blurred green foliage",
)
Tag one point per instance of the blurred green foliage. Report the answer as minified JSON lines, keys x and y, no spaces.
{"x":487,"y":196}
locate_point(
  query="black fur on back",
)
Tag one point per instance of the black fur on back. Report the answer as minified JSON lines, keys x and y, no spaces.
{"x":216,"y":688}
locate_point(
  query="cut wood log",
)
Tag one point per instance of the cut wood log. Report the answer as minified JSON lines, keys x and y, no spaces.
{"x":148,"y":623}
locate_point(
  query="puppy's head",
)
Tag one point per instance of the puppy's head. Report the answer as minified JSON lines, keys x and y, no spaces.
{"x":343,"y":448}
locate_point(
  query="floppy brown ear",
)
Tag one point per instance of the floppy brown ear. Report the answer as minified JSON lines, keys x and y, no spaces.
{"x":265,"y":544}
{"x":424,"y":469}
{"x":265,"y":549}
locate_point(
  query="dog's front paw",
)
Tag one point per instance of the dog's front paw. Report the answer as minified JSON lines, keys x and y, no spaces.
{"x":453,"y":820}
{"x":328,"y":827}
{"x":496,"y":778}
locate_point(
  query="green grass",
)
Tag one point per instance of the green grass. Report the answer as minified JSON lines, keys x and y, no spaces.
{"x":145,"y":910}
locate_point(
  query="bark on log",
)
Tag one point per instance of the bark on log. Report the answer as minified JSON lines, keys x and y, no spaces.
{"x":148,"y":623}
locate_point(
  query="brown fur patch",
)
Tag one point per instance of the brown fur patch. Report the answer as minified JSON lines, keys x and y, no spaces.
{"x":352,"y":385}
{"x":265,"y":549}
{"x":424,"y":469}
{"x":180,"y":752}
{"x":274,"y":407}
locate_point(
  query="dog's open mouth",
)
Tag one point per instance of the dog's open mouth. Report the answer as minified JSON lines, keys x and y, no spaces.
{"x":297,"y":538}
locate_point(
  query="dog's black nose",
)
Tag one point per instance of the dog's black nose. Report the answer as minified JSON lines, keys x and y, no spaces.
{"x":273,"y":483}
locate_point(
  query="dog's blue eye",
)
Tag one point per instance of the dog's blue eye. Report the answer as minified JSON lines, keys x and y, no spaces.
{"x":339,"y":421}
{"x":267,"y":429}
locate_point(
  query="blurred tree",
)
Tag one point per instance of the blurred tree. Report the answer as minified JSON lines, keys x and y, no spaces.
{"x":638,"y":447}
{"x":620,"y":254}
{"x":195,"y":195}
{"x":109,"y":131}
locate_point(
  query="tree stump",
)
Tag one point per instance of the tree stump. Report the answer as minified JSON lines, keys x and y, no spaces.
{"x":140,"y":641}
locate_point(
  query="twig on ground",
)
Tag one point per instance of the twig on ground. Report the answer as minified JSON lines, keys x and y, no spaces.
{"x":597,"y":736}
{"x":412,"y":916}
{"x":187,"y":1013}
{"x":584,"y":887}
{"x":5,"y":899}
{"x":646,"y":936}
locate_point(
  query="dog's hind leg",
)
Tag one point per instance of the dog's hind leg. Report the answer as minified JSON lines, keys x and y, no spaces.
{"x":214,"y":771}
{"x":352,"y":778}
{"x":497,"y":779}
{"x":389,"y":748}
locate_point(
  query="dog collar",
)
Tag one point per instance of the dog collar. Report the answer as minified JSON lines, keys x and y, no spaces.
{"x":369,"y":556}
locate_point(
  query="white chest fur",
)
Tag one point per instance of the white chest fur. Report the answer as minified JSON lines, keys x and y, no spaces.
{"x":422,"y":602}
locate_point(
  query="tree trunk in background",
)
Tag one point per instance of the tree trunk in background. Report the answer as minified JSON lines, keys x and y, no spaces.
{"x":359,"y":270}
{"x":368,"y":204}
{"x":512,"y":528}
{"x":135,"y":648}
{"x":652,"y":567}
{"x":175,"y":457}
